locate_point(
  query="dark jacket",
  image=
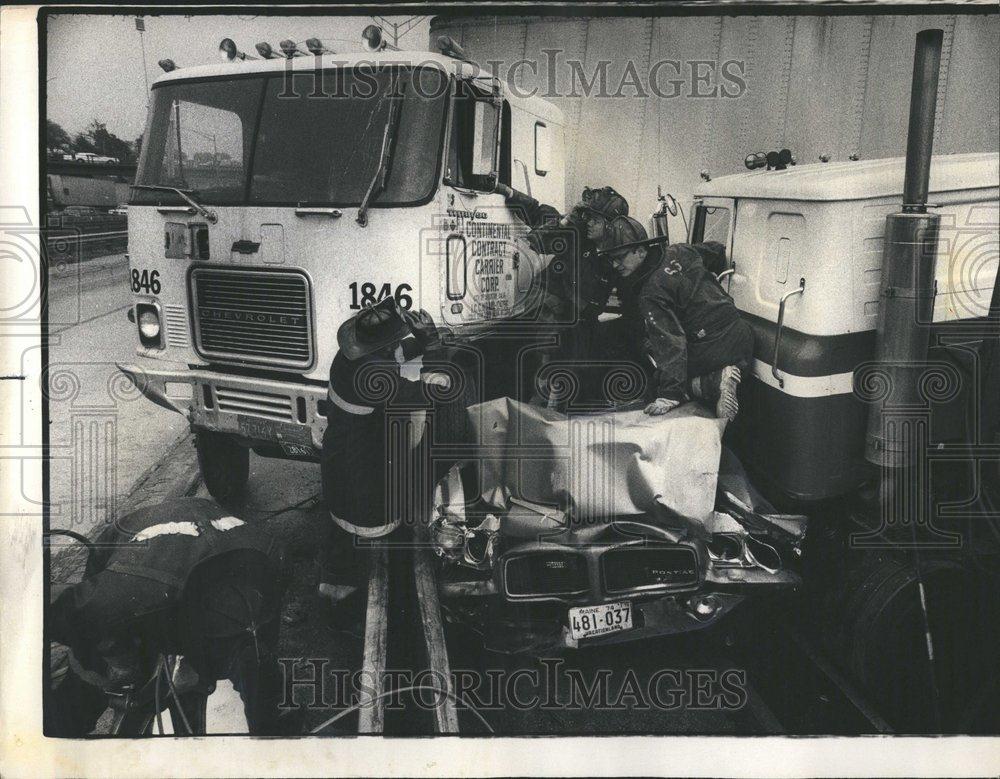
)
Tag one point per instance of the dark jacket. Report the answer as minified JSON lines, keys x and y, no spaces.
{"x":577,"y":282}
{"x":136,"y":585}
{"x":363,"y":455}
{"x":686,"y":322}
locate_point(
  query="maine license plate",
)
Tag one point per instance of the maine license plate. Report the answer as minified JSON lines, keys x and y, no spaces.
{"x":590,"y":621}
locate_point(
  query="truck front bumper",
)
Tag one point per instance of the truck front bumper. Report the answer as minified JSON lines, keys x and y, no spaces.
{"x":261,"y":412}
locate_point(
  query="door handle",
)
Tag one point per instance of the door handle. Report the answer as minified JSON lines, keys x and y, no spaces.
{"x":175,"y":210}
{"x":245,"y":247}
{"x":527,"y":179}
{"x":333,"y":213}
{"x":781,"y":323}
{"x":726,"y":273}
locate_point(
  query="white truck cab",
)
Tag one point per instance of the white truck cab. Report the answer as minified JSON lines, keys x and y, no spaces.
{"x":277,"y":197}
{"x":805,"y":249}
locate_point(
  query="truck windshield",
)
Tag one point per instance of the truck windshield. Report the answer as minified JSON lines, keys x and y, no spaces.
{"x":277,"y":139}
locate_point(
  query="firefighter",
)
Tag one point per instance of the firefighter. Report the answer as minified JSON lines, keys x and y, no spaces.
{"x":577,"y":281}
{"x":691,"y":332}
{"x":179,"y":578}
{"x":365,"y":378}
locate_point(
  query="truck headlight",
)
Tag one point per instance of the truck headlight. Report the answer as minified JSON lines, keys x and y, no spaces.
{"x":148,"y":319}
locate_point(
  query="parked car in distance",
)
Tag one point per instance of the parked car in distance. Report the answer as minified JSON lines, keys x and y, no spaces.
{"x":87,"y":156}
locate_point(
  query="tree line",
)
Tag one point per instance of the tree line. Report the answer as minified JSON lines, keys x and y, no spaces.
{"x":95,"y":139}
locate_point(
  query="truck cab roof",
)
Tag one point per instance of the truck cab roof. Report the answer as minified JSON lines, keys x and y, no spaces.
{"x":460,"y":68}
{"x":855,"y":180}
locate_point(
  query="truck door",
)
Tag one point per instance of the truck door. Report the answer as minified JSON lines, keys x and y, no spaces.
{"x":489,"y":273}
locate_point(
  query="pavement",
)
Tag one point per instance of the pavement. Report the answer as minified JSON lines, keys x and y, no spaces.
{"x":104,"y":436}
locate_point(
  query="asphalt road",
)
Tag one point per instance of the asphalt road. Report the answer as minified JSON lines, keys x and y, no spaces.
{"x":745,"y":676}
{"x":104,"y":436}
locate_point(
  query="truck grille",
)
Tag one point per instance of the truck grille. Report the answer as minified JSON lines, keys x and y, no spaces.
{"x":252,"y":317}
{"x":630,"y":568}
{"x":176,"y":321}
{"x":261,"y":404}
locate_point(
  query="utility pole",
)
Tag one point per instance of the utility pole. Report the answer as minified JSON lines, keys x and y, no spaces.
{"x":140,"y":25}
{"x":398,"y":29}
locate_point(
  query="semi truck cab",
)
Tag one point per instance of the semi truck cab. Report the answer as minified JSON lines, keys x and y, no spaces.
{"x":277,"y":197}
{"x":805,"y":247}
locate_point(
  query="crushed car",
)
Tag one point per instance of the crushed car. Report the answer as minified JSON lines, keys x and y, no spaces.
{"x":568,"y":531}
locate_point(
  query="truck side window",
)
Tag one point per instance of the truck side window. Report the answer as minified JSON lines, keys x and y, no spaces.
{"x":472,"y":153}
{"x":711,"y":223}
{"x":505,"y":151}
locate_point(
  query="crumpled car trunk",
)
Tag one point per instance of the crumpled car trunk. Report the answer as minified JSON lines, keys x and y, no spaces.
{"x":596,"y":467}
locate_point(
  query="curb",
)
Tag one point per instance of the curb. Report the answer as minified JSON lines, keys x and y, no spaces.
{"x":175,"y":475}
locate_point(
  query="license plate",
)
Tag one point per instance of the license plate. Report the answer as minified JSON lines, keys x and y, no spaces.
{"x":284,"y":433}
{"x":589,"y":621}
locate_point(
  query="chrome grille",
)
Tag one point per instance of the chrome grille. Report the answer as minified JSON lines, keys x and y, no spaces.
{"x":252,"y":317}
{"x":543,"y":574}
{"x":176,"y":319}
{"x":261,"y":404}
{"x":654,"y":567}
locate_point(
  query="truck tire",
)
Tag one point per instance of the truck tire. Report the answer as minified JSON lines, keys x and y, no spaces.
{"x":888,"y":650}
{"x":225,"y":466}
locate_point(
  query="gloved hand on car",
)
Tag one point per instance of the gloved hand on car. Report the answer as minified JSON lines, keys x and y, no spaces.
{"x":661,"y":406}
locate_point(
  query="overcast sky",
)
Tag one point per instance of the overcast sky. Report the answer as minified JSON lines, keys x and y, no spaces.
{"x":95,"y":67}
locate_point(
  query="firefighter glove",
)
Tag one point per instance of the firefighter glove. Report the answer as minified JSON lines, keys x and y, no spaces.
{"x":661,"y":406}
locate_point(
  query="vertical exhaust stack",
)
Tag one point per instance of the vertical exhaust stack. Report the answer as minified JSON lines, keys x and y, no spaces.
{"x":907,"y":287}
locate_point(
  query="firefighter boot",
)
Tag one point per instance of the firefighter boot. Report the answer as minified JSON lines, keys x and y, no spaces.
{"x":342,"y":569}
{"x":718,"y":389}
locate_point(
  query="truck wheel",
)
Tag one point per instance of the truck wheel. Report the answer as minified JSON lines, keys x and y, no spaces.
{"x":225,"y":466}
{"x":888,"y":650}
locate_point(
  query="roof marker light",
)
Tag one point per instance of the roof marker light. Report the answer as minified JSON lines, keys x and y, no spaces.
{"x":373,"y":38}
{"x":264,"y":49}
{"x":315,"y":46}
{"x":228,"y":51}
{"x":450,"y":48}
{"x":290,"y":49}
{"x":755,"y":160}
{"x":167,"y":65}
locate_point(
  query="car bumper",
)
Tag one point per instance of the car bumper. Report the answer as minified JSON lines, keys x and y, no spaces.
{"x":516,"y":623}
